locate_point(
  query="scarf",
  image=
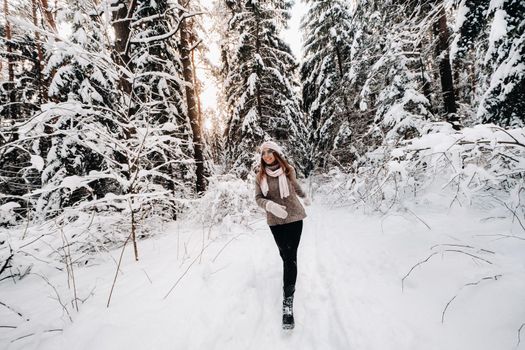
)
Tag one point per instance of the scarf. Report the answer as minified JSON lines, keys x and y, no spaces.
{"x":283,"y":182}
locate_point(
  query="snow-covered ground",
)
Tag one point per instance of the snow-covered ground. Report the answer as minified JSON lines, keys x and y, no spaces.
{"x":349,"y":291}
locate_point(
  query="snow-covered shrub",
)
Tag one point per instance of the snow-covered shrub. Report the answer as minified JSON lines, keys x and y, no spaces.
{"x":479,"y":166}
{"x":75,"y":232}
{"x":7,"y":213}
{"x":228,"y":199}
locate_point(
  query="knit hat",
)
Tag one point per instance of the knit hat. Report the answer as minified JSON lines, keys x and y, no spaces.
{"x":273,"y":146}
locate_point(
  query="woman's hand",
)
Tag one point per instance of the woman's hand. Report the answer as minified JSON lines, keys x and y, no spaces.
{"x":276,"y":209}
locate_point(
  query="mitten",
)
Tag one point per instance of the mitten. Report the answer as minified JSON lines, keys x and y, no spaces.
{"x":276,"y":209}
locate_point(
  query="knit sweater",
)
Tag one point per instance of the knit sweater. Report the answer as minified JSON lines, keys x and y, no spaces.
{"x":294,"y":208}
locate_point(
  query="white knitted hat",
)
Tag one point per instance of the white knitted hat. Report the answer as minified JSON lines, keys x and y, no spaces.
{"x":273,"y":146}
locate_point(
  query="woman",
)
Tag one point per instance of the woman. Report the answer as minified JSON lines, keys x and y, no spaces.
{"x":276,"y":191}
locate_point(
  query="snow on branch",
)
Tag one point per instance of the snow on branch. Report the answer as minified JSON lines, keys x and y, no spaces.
{"x":482,"y":165}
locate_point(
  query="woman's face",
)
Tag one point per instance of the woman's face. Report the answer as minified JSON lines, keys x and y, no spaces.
{"x":267,"y":156}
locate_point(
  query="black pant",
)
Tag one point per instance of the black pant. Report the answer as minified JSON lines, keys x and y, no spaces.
{"x":287,"y":237}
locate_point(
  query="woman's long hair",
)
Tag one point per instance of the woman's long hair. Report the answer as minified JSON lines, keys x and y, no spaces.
{"x":282,"y":162}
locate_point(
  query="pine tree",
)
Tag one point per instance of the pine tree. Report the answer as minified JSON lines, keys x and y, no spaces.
{"x":83,"y":121}
{"x":20,"y":98}
{"x":365,"y":79}
{"x":368,"y":42}
{"x":503,"y":103}
{"x":20,"y":86}
{"x":489,"y":44}
{"x":97,"y":137}
{"x":160,"y":108}
{"x":325,"y":75}
{"x":8,"y":88}
{"x":395,"y":83}
{"x":471,"y":22}
{"x":261,"y":86}
{"x":401,"y":107}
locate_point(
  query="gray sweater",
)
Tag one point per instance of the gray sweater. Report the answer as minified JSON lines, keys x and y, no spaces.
{"x":294,"y":208}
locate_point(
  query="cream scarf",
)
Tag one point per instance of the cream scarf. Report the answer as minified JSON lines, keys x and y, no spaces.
{"x":283,"y":182}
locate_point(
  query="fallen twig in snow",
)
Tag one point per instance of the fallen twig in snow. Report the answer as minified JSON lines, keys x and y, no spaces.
{"x":480,"y":250}
{"x":149,"y":279}
{"x":6,"y":263}
{"x":58,"y":299}
{"x":69,"y":266}
{"x":36,"y":239}
{"x":118,"y":269}
{"x":424,"y":223}
{"x":227,"y":243}
{"x":443,"y":251}
{"x":90,"y":294}
{"x":502,"y":236}
{"x":519,"y":334}
{"x":514,"y":215}
{"x":456,"y":196}
{"x":493,"y":218}
{"x":412,"y":269}
{"x":495,"y":278}
{"x":187,"y":269}
{"x":16,"y":312}
{"x":203,"y":240}
{"x":452,"y":245}
{"x":31,"y":334}
{"x":472,"y":255}
{"x":513,"y":211}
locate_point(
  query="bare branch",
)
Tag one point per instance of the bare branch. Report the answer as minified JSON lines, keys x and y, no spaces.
{"x":472,"y":255}
{"x":412,"y":269}
{"x":58,"y":299}
{"x":6,"y":263}
{"x":31,"y":334}
{"x":519,"y":334}
{"x":501,"y":235}
{"x":227,"y":243}
{"x":118,"y":269}
{"x":494,"y":278}
{"x":424,"y":223}
{"x":186,"y":271}
{"x":451,"y":245}
{"x":16,"y":312}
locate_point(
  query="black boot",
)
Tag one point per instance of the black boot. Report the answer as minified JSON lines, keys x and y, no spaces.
{"x":288,"y":320}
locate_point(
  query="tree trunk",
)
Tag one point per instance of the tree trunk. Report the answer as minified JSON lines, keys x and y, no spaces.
{"x":197,"y":87}
{"x":191,"y":101}
{"x":121,"y":22}
{"x":341,"y":80}
{"x":11,"y":113}
{"x":445,"y":70}
{"x":425,"y":82}
{"x":133,"y":233}
{"x":49,"y":16}
{"x":42,"y":88}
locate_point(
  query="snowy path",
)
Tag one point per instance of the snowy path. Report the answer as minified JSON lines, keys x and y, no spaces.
{"x":348,"y":293}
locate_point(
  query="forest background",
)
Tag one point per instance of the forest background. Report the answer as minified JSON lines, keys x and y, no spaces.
{"x":120,"y":116}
